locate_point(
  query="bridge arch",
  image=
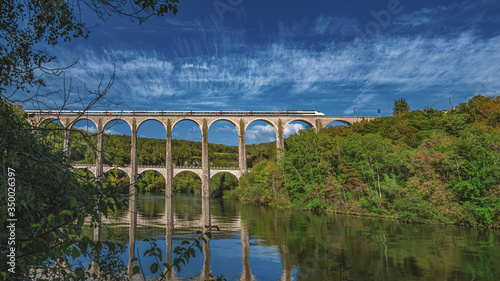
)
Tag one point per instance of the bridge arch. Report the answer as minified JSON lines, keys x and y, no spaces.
{"x":75,"y":123}
{"x":310,"y":124}
{"x":258,"y":129}
{"x":113,"y":131}
{"x":194,"y":120}
{"x":294,"y":126}
{"x":222,"y":181}
{"x":191,"y":170}
{"x":142,"y":170}
{"x":107,"y":169}
{"x":234,"y":173}
{"x":88,"y":170}
{"x":45,"y":119}
{"x":82,"y":140}
{"x":185,"y":180}
{"x":151,"y":138}
{"x":192,"y":133}
{"x":268,"y":121}
{"x":109,"y":121}
{"x":336,"y":121}
{"x":52,"y":130}
{"x":150,"y":119}
{"x":232,"y":121}
{"x":221,"y":138}
{"x":116,"y":180}
{"x":151,"y":179}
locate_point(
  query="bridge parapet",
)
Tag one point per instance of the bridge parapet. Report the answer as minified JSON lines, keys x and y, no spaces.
{"x":161,"y":169}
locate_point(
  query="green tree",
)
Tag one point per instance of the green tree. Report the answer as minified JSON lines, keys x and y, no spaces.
{"x":51,"y":202}
{"x":400,"y":107}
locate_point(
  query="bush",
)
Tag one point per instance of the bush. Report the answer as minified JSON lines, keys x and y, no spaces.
{"x":416,"y":210}
{"x":232,"y":194}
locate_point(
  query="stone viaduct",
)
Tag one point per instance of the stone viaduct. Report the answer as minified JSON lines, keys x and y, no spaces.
{"x":241,"y":120}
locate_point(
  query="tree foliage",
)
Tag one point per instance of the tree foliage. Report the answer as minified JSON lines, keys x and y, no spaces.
{"x":51,"y":202}
{"x":421,"y":166}
{"x":400,"y":107}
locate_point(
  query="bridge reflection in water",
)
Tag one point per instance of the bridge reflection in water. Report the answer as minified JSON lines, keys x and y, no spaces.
{"x":200,"y":221}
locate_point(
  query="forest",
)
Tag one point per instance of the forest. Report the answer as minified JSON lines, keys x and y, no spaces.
{"x":424,"y":166}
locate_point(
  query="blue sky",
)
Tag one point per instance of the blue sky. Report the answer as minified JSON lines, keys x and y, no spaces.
{"x":261,"y":55}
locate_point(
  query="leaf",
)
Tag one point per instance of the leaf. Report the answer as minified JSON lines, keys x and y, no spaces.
{"x":135,"y":270}
{"x":185,"y":242}
{"x":199,"y":247}
{"x":83,"y":247}
{"x":80,"y":221}
{"x":66,"y":212}
{"x":25,"y":243}
{"x":72,"y":202}
{"x":75,"y":253}
{"x":153,"y":268}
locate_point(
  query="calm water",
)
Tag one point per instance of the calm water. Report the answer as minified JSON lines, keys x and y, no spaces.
{"x":264,"y":243}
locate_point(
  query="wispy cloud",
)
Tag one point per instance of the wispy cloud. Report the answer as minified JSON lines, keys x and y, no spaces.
{"x":217,"y":67}
{"x":226,"y":129}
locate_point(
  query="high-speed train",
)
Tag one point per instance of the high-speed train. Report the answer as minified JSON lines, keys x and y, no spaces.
{"x":177,"y":113}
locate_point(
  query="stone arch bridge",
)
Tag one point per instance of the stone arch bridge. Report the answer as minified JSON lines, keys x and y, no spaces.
{"x":240,"y":119}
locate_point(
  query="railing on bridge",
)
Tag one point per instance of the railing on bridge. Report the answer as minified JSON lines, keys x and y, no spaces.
{"x":156,"y":166}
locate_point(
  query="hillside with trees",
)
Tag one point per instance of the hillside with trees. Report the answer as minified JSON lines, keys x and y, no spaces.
{"x":424,"y":166}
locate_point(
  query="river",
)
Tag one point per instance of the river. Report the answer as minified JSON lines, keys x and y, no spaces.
{"x":265,"y":243}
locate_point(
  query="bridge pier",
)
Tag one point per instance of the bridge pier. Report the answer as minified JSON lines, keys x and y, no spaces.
{"x":133,"y":193}
{"x":205,"y":162}
{"x":66,"y":148}
{"x":169,"y":177}
{"x":242,"y":152}
{"x":98,"y":158}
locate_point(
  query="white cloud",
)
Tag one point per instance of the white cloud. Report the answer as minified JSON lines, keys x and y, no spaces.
{"x":261,"y":133}
{"x":225,"y":129}
{"x":293,"y":129}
